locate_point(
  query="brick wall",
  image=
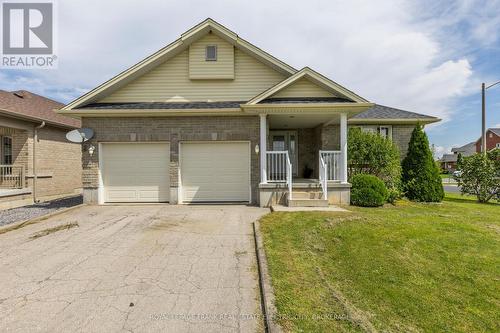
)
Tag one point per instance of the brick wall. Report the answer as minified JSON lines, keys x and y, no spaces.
{"x":401,"y":134}
{"x":59,"y":167}
{"x":58,"y":164}
{"x":491,"y":141}
{"x":173,"y":130}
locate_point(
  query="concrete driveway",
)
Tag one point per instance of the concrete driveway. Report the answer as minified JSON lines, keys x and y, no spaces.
{"x":132,"y":268}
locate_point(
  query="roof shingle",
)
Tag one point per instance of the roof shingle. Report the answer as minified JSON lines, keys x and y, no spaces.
{"x":26,"y":104}
{"x":384,"y":112}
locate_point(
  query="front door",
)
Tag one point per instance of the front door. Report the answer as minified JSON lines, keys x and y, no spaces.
{"x":286,"y":140}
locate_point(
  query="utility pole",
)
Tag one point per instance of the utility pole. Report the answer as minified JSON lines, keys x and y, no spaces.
{"x":483,"y":100}
{"x":483,"y":109}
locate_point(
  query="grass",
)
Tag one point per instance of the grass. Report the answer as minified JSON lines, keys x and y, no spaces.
{"x":410,"y":267}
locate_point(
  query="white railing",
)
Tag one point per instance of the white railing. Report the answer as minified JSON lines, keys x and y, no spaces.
{"x":12,"y":176}
{"x":332,"y":160}
{"x":279,"y":169}
{"x":323,"y":176}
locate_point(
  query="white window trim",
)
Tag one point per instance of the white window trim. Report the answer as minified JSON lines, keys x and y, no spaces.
{"x":497,"y":145}
{"x":206,"y":53}
{"x":2,"y":152}
{"x":374,"y":129}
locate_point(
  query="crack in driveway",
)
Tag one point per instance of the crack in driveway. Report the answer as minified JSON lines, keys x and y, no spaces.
{"x":185,"y":268}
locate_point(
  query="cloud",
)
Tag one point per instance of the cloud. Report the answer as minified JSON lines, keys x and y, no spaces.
{"x":395,"y":52}
{"x":439,"y":151}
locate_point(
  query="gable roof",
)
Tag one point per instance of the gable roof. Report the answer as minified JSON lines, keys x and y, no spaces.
{"x":449,"y":158}
{"x":467,"y":148}
{"x":379,"y":113}
{"x":314,"y":77}
{"x":27,"y":105}
{"x":173,"y":49}
{"x":495,"y":131}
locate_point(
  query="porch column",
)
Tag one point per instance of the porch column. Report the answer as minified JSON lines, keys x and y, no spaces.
{"x":263,"y":148}
{"x":343,"y":147}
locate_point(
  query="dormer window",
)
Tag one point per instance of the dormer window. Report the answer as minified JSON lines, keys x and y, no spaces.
{"x":211,"y":53}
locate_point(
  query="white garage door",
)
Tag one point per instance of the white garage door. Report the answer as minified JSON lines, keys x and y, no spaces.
{"x":215,"y":171}
{"x":135,"y":172}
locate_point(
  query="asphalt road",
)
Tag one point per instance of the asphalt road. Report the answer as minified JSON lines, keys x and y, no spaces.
{"x":451,"y":188}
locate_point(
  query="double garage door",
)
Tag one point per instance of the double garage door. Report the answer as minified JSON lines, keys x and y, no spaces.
{"x":209,"y":172}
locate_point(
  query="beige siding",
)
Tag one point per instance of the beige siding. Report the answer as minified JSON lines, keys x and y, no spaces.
{"x":303,"y":88}
{"x":170,"y":82}
{"x":222,"y":68}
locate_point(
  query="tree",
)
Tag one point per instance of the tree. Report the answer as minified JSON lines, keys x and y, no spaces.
{"x":370,"y":153}
{"x":480,"y":176}
{"x":421,"y":179}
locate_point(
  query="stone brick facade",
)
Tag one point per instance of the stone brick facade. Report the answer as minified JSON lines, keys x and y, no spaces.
{"x":172,"y":130}
{"x":59,"y":168}
{"x":401,"y":134}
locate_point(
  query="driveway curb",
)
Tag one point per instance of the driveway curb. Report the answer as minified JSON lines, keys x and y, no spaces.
{"x":266,"y":290}
{"x":20,"y":224}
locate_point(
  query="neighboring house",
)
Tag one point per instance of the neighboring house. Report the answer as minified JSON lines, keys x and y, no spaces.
{"x":37,"y":162}
{"x":492,"y":140}
{"x":449,"y":161}
{"x":212,"y":118}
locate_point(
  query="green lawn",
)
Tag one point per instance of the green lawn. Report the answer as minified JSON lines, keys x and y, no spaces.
{"x":405,"y":268}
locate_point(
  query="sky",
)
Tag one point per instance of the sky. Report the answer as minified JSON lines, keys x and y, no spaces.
{"x":424,"y":56}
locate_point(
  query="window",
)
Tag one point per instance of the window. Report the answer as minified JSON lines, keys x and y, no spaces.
{"x":6,"y":150}
{"x":211,"y":53}
{"x":498,"y":145}
{"x":385,"y":131}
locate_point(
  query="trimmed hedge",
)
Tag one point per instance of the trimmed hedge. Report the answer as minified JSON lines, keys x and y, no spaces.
{"x":368,"y":191}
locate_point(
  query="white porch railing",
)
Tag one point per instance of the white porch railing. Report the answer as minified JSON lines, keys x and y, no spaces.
{"x":332,"y":160}
{"x":12,"y":176}
{"x":323,"y":176}
{"x":279,"y":169}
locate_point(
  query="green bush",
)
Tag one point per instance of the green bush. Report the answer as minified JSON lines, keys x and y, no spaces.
{"x":421,"y":179}
{"x":368,"y":191}
{"x":370,"y":153}
{"x":480,"y":176}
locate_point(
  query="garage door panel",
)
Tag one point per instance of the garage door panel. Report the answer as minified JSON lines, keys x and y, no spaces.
{"x":136,"y":172}
{"x":215,"y":171}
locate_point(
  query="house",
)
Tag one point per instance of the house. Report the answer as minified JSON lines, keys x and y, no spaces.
{"x":492,"y":140}
{"x":449,"y":161}
{"x":213,"y":118}
{"x":37,"y":162}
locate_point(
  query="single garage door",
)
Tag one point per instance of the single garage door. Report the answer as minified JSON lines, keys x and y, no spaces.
{"x":215,"y":171}
{"x":135,"y":172}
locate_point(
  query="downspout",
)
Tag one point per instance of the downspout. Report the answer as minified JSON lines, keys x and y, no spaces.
{"x":35,"y":139}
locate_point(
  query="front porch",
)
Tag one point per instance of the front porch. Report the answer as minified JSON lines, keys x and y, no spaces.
{"x":303,"y":160}
{"x":14,"y":189}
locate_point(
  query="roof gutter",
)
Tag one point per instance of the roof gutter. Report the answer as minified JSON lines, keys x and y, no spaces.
{"x":19,"y":116}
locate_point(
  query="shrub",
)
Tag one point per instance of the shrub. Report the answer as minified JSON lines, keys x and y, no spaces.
{"x":480,"y":176}
{"x":368,"y":191}
{"x":370,"y":153}
{"x":421,"y":179}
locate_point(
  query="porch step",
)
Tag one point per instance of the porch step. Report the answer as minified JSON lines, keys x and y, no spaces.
{"x":307,"y":195}
{"x":307,"y":203}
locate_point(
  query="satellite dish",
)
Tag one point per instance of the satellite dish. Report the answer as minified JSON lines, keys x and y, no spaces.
{"x":80,"y":135}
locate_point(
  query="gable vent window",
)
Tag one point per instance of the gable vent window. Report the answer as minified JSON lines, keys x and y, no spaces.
{"x":211,"y":53}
